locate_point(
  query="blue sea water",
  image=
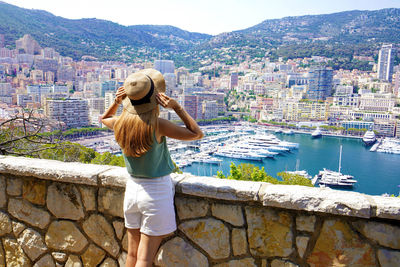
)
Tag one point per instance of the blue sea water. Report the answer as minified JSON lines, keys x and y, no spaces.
{"x":376,"y":173}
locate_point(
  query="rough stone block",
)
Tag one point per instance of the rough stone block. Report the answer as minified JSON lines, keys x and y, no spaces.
{"x":46,"y":260}
{"x":73,"y":172}
{"x":73,"y":261}
{"x":59,"y":256}
{"x":188,"y":208}
{"x":125,"y":242}
{"x":2,"y":255}
{"x":247,"y":262}
{"x":109,"y":263}
{"x":301,"y":243}
{"x":111,"y":201}
{"x":219,"y":188}
{"x":386,"y":207}
{"x":102,"y":233}
{"x":385,"y":234}
{"x":65,"y":236}
{"x":5,"y":224}
{"x":3,"y":197}
{"x":269,"y":232}
{"x":119,"y":229}
{"x":122,"y":259}
{"x":388,"y":258}
{"x":32,"y":244}
{"x":64,"y":201}
{"x":88,"y":194}
{"x":15,"y":256}
{"x":325,"y":200}
{"x":26,"y":212}
{"x":338,"y":245}
{"x":34,"y":191}
{"x":210,"y":234}
{"x":239,"y":242}
{"x":18,"y":228}
{"x":305,"y":223}
{"x":176,"y":252}
{"x":14,"y":186}
{"x":282,"y":263}
{"x":93,"y":256}
{"x":229,"y":213}
{"x":114,"y":177}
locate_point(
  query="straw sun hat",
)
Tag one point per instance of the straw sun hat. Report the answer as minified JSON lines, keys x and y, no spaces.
{"x":141,"y":88}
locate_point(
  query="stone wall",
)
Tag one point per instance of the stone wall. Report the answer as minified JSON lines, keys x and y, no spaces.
{"x":70,"y":214}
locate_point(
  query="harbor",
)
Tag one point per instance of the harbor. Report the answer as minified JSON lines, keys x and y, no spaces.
{"x":280,"y":150}
{"x":374,"y":173}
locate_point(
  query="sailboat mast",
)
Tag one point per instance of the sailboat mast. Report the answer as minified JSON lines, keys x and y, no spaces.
{"x":340,"y":158}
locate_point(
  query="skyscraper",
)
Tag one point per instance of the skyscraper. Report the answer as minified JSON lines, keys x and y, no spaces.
{"x":2,"y":43}
{"x":164,"y":66}
{"x":385,"y":63}
{"x":320,"y":83}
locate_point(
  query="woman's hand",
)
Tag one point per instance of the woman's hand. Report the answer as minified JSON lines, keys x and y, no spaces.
{"x":120,"y":95}
{"x":166,"y":101}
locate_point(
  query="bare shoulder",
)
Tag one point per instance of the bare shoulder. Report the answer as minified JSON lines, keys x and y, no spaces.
{"x":169,"y":129}
{"x":109,"y":122}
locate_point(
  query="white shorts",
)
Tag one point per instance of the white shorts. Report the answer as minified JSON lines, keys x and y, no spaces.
{"x":149,"y":205}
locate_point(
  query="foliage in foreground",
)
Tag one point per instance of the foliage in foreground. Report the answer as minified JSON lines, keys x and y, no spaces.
{"x":249,"y":172}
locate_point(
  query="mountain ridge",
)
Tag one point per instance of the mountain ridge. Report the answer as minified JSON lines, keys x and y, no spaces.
{"x":338,"y":35}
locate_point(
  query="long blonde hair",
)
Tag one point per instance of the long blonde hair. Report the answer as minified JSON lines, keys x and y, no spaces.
{"x":134,"y":133}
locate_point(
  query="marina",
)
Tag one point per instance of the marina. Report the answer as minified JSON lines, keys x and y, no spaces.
{"x":276,"y":150}
{"x":374,"y":173}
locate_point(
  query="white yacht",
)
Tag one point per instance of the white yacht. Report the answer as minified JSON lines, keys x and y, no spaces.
{"x":316,"y":133}
{"x":369,"y":138}
{"x":336,"y":179}
{"x":288,"y":132}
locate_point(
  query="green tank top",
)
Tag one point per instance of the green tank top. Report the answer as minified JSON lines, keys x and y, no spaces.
{"x":156,"y":162}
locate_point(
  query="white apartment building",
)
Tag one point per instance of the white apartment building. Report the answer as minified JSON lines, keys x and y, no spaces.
{"x":368,"y":116}
{"x":305,"y":110}
{"x":73,"y":112}
{"x":377,"y":102}
{"x":344,"y":90}
{"x":348,"y":100}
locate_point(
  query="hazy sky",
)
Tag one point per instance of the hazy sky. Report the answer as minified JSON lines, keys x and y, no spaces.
{"x":205,"y":16}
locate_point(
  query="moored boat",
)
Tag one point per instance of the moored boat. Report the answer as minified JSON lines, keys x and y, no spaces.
{"x":369,"y":138}
{"x":316,"y":133}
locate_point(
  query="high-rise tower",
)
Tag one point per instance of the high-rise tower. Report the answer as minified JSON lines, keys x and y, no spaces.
{"x":320,"y":83}
{"x":385,"y":63}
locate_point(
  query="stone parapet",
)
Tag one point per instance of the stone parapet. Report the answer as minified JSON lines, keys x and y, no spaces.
{"x":70,"y":214}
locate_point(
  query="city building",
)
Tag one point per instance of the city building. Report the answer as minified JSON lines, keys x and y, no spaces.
{"x":348,"y":100}
{"x":2,"y":42}
{"x":385,"y":63}
{"x":210,"y":109}
{"x":385,"y":127}
{"x":377,"y":102}
{"x":164,"y":66}
{"x":28,"y":45}
{"x":305,"y":111}
{"x":73,"y":112}
{"x":357,"y":125}
{"x":320,"y":83}
{"x":234,"y":80}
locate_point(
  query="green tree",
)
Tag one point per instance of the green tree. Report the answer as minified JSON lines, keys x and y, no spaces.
{"x":250,"y":172}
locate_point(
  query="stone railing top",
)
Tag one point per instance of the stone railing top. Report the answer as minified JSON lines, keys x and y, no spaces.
{"x":292,"y":197}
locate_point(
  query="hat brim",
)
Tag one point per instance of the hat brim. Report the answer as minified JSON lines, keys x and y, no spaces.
{"x":159,"y":87}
